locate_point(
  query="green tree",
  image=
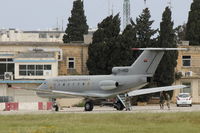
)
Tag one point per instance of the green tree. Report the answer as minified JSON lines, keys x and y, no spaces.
{"x":165,"y":72}
{"x":109,"y":48}
{"x":144,"y":30}
{"x":77,"y":25}
{"x":100,"y":50}
{"x":122,"y":55}
{"x":193,"y":24}
{"x":180,"y":32}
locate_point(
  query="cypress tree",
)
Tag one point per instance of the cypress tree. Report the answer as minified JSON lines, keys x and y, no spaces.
{"x":77,"y":25}
{"x":193,"y":24}
{"x":128,"y":41}
{"x":109,"y":48}
{"x":165,"y":72}
{"x":100,"y":52}
{"x":144,"y":31}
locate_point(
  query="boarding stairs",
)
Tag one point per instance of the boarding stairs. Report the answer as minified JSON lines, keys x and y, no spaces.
{"x":125,"y":100}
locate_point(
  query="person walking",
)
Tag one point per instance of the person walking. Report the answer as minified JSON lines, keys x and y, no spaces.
{"x":162,"y":100}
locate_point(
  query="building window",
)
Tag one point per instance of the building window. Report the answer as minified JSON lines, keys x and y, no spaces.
{"x":186,"y":60}
{"x":42,"y":35}
{"x":188,"y":89}
{"x":39,"y":70}
{"x":33,"y":70}
{"x":71,"y":63}
{"x":6,"y":65}
{"x":4,"y":99}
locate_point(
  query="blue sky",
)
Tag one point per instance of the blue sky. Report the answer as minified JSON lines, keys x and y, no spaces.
{"x":43,"y":14}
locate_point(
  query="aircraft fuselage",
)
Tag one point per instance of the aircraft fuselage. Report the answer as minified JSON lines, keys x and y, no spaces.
{"x":101,"y":86}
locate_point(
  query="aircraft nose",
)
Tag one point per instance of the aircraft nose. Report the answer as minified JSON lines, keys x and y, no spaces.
{"x":43,"y":86}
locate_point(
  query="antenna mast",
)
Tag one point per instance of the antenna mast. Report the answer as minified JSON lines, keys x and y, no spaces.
{"x":126,"y":13}
{"x":170,"y":4}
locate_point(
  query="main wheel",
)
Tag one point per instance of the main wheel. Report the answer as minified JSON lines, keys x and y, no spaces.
{"x":89,"y":106}
{"x":119,"y":106}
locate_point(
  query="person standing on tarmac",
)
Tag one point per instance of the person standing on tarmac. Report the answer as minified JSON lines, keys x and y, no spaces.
{"x":162,"y":100}
{"x":167,"y":96}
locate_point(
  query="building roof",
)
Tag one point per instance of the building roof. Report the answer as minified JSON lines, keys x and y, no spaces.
{"x":40,"y":44}
{"x":36,"y":54}
{"x":44,"y":32}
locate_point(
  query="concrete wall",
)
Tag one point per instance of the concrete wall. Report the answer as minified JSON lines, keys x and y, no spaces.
{"x":20,"y":95}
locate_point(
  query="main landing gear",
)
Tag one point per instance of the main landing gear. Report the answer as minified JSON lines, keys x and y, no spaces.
{"x":55,"y":105}
{"x":89,"y":105}
{"x":119,"y":106}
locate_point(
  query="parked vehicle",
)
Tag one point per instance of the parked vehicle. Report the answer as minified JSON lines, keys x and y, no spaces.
{"x":184,"y":99}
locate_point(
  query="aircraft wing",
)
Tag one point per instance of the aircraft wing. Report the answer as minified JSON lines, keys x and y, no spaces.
{"x":33,"y":89}
{"x":153,"y":90}
{"x":81,"y":94}
{"x":65,"y":92}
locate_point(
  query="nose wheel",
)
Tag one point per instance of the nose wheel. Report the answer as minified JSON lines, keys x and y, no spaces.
{"x":89,"y":106}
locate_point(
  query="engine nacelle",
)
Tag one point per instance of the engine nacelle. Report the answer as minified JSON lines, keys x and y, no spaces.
{"x":108,"y":85}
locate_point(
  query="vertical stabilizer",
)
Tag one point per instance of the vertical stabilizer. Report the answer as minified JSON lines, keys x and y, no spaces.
{"x":146,"y":63}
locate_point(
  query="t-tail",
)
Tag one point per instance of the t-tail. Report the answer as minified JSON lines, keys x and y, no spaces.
{"x":146,"y":63}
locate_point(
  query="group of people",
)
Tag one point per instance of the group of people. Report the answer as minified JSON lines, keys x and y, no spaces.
{"x":164,"y":97}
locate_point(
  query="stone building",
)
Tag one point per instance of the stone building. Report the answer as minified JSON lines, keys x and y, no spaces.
{"x":188,"y":68}
{"x":27,"y":64}
{"x":14,"y":35}
{"x":51,"y":35}
{"x":74,"y":60}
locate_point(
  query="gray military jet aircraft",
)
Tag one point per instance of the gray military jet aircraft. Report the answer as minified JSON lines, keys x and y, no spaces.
{"x":127,"y":79}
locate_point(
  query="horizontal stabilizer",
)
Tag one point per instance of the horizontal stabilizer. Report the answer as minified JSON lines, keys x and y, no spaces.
{"x":161,"y":49}
{"x":154,"y":90}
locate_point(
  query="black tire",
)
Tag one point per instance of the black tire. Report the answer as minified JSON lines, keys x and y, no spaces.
{"x":119,"y":106}
{"x":177,"y":105}
{"x":56,"y":108}
{"x":89,"y":106}
{"x":190,"y":105}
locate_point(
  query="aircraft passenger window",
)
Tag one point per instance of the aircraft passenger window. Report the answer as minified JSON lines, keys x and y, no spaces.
{"x":63,"y":84}
{"x":83,"y":84}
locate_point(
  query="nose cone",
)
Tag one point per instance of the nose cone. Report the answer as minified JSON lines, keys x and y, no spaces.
{"x":43,"y":86}
{"x":43,"y":90}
